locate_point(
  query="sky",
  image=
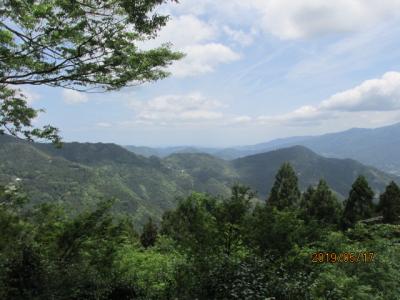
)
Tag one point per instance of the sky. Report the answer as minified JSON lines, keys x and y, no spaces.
{"x":254,"y":70}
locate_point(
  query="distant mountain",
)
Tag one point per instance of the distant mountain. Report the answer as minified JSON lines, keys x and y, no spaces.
{"x":79,"y":174}
{"x":379,"y":147}
{"x":166,"y":151}
{"x":259,"y":170}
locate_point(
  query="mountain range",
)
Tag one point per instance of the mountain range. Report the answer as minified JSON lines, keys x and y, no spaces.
{"x":79,"y":174}
{"x":379,"y":147}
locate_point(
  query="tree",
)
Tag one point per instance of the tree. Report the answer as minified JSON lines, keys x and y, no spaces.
{"x":83,"y":45}
{"x":149,"y":235}
{"x":389,"y":204}
{"x":237,"y":206}
{"x":193,"y":224}
{"x":274,"y":231}
{"x":359,"y":204}
{"x":285,"y":191}
{"x":323,"y":205}
{"x":306,"y":197}
{"x":233,"y":211}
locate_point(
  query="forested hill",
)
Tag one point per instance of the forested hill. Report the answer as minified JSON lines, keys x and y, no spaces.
{"x":259,"y":170}
{"x":80,"y":174}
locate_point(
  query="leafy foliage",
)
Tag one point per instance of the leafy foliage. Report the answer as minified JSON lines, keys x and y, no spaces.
{"x":16,"y":118}
{"x":78,"y":45}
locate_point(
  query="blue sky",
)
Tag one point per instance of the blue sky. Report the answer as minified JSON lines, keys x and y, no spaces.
{"x":255,"y":70}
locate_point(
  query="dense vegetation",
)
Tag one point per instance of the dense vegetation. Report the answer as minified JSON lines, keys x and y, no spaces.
{"x":79,"y":174}
{"x":207,"y":247}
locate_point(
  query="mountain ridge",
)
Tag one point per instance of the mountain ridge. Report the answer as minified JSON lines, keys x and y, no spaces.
{"x":81,"y":173}
{"x":361,"y":144}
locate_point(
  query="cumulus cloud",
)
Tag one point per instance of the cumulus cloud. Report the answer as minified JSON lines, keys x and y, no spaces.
{"x":172,"y":109}
{"x":202,"y":59}
{"x":370,"y":98}
{"x":197,"y":39}
{"x":74,"y":97}
{"x":298,"y":19}
{"x":288,"y":19}
{"x":183,"y":110}
{"x":381,"y":94}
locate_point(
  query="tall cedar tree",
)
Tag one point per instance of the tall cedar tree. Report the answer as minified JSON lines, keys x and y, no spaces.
{"x":359,"y":205}
{"x":305,"y":202}
{"x":148,"y":237}
{"x":285,"y":191}
{"x":389,"y":204}
{"x":82,"y":45}
{"x":323,"y":205}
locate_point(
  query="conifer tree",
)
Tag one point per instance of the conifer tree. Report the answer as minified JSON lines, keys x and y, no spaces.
{"x":389,"y":204}
{"x":149,"y":235}
{"x":324,"y":206}
{"x":305,"y":202}
{"x":285,"y":191}
{"x":359,"y":205}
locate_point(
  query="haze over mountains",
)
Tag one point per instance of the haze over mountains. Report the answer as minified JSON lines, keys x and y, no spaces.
{"x":379,"y":147}
{"x":79,"y":174}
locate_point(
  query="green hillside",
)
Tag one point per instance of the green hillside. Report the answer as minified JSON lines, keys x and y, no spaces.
{"x":80,"y":174}
{"x":207,"y":173}
{"x":259,"y":170}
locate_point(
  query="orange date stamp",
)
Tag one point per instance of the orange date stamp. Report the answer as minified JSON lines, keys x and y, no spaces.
{"x":342,"y":257}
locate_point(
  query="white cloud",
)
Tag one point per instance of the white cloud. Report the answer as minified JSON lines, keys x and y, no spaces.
{"x":381,"y":94}
{"x":173,"y":109}
{"x":198,"y":39}
{"x":185,"y":30}
{"x":288,"y":19}
{"x":303,"y":116}
{"x":191,"y":110}
{"x":74,"y":97}
{"x":201,"y":59}
{"x":239,"y":36}
{"x":374,"y":100}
